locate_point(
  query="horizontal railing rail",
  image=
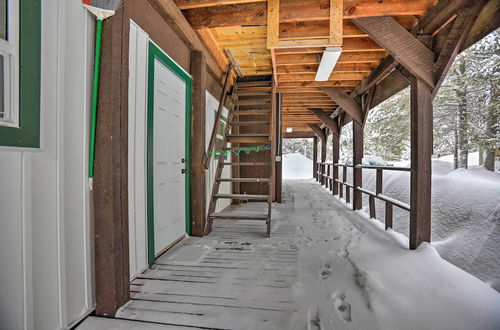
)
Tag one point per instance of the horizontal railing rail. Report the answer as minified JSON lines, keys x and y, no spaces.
{"x":327,"y":173}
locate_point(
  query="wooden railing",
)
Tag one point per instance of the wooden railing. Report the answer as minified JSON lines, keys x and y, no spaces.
{"x":327,"y":175}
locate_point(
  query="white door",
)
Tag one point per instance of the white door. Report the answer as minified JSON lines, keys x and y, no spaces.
{"x":168,"y":157}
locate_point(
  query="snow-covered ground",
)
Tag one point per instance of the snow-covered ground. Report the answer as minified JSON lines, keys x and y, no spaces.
{"x":355,"y":275}
{"x":297,"y":166}
{"x":465,"y":214}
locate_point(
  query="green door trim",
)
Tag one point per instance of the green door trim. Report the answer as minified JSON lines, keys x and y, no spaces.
{"x":156,"y":53}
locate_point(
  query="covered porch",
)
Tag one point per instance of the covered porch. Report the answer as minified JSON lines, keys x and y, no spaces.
{"x":325,"y":267}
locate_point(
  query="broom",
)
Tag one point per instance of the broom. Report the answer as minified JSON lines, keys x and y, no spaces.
{"x":101,"y":9}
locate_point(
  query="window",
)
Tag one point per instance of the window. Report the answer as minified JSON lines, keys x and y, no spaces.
{"x":9,"y":68}
{"x":20,"y":50}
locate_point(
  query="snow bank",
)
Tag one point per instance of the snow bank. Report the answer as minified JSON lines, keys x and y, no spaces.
{"x":438,"y":294}
{"x":297,"y":166}
{"x":465,"y":215}
{"x":355,"y":275}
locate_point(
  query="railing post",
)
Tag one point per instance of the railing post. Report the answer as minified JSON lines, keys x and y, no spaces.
{"x":388,"y":215}
{"x":323,"y":156}
{"x":371,"y":201}
{"x":378,"y":182}
{"x":357,"y":177}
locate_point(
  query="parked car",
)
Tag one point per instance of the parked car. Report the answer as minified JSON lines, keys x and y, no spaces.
{"x":371,"y":161}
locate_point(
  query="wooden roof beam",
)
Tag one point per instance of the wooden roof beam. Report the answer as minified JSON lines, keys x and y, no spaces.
{"x":182,"y":27}
{"x":318,"y":131}
{"x":326,"y":119}
{"x":346,"y":102}
{"x":297,"y":135}
{"x":296,"y":11}
{"x":402,"y":45}
{"x":191,"y":4}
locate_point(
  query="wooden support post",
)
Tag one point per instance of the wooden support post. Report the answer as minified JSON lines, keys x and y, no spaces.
{"x":421,"y":169}
{"x":198,"y":189}
{"x":315,"y":157}
{"x":336,"y":155}
{"x":111,"y":249}
{"x":357,"y":139}
{"x":279,"y":150}
{"x":323,"y":156}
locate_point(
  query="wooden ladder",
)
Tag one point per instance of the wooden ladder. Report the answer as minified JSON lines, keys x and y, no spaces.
{"x":248,"y":125}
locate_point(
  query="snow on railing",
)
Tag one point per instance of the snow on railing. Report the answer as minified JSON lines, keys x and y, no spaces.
{"x":328,"y":175}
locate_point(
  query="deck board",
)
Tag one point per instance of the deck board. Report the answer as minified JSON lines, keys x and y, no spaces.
{"x":235,"y":278}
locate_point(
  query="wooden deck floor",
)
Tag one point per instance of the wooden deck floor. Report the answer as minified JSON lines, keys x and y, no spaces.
{"x":235,"y":278}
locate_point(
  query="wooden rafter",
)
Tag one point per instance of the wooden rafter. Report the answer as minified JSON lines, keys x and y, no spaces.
{"x":190,"y":4}
{"x":347,"y":103}
{"x":401,"y":44}
{"x":318,"y":131}
{"x":273,"y":23}
{"x":327,"y":120}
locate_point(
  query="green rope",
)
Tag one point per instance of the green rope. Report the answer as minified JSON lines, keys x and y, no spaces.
{"x":247,"y":150}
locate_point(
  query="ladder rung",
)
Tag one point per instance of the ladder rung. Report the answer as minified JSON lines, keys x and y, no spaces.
{"x":253,"y":102}
{"x":253,"y":93}
{"x":249,"y":123}
{"x":243,"y":179}
{"x":243,"y":197}
{"x":251,"y":112}
{"x":246,"y":84}
{"x":248,"y":135}
{"x":247,"y":164}
{"x":244,"y":139}
{"x":239,"y":216}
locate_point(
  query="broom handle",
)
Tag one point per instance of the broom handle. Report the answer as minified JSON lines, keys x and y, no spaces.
{"x":95,"y":95}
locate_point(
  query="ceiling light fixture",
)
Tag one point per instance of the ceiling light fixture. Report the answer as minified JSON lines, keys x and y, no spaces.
{"x":328,"y":62}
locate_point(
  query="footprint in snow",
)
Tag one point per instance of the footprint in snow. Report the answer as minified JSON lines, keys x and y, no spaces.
{"x":326,"y":271}
{"x":342,"y":307}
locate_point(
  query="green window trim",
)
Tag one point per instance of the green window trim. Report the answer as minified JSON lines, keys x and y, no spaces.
{"x":156,"y":53}
{"x":28,"y":133}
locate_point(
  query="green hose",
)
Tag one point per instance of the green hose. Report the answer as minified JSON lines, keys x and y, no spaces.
{"x":95,"y":95}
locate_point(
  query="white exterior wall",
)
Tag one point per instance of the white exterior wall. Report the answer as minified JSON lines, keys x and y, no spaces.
{"x":45,"y":234}
{"x":212,"y":104}
{"x":137,"y":149}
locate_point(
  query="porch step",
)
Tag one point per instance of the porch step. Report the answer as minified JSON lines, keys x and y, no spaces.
{"x":239,"y":216}
{"x":249,"y":123}
{"x":247,"y":164}
{"x":243,"y":180}
{"x":242,"y":197}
